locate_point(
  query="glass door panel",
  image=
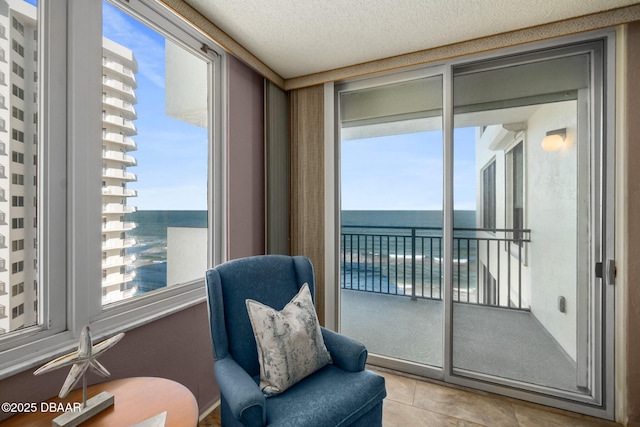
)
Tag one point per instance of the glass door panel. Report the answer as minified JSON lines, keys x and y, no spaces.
{"x":391,"y":271}
{"x":524,"y":301}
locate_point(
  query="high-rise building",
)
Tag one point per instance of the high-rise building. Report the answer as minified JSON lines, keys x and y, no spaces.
{"x":18,"y":160}
{"x":118,"y":113}
{"x":18,"y":166}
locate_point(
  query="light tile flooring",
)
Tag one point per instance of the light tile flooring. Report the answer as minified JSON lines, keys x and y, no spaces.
{"x":417,"y":403}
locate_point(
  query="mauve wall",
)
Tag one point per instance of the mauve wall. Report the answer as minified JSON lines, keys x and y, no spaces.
{"x":178,"y":347}
{"x":245,"y":186}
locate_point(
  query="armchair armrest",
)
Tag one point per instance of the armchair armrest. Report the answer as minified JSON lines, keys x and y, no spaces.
{"x":243,"y":395}
{"x":347,"y":354}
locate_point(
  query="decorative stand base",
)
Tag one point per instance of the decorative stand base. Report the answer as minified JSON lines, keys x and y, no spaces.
{"x":94,"y":405}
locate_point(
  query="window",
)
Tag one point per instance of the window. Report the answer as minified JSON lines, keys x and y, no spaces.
{"x":165,"y":196}
{"x":17,"y":245}
{"x":18,"y":70}
{"x":515,"y":192}
{"x":162,"y":168}
{"x":17,"y":25}
{"x":17,"y":113}
{"x":17,"y":157}
{"x":17,"y":289}
{"x":17,"y":47}
{"x":489,"y":196}
{"x":17,"y":267}
{"x":17,"y":135}
{"x":17,"y":179}
{"x":17,"y":311}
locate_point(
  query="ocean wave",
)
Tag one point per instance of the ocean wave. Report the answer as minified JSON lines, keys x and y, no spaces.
{"x":146,"y":262}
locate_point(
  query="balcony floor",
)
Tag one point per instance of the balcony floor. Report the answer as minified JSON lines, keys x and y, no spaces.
{"x":506,"y":343}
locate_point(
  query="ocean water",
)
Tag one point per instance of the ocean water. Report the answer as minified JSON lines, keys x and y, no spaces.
{"x":400,"y":252}
{"x":377,"y":259}
{"x":151,"y":247}
{"x":461,"y":219}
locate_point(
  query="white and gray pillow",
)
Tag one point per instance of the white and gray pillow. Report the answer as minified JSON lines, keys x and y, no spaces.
{"x":289,"y":342}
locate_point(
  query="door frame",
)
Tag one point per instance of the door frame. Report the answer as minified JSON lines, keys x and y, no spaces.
{"x":601,"y":404}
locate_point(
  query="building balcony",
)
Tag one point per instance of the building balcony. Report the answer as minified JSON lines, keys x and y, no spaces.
{"x":115,"y":190}
{"x":125,"y":73}
{"x":118,"y":278}
{"x":395,"y":326}
{"x":119,"y":157}
{"x":3,"y":311}
{"x":122,"y":90}
{"x":125,"y":124}
{"x":119,"y":226}
{"x":118,"y":295}
{"x":125,"y":109}
{"x":392,"y":300}
{"x":3,"y":288}
{"x":409,"y":262}
{"x":118,"y":173}
{"x":117,"y":261}
{"x":117,"y":208}
{"x":118,"y":244}
{"x":127,"y":142}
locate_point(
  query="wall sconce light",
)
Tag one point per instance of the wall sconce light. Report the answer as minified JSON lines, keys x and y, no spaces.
{"x":554,"y":139}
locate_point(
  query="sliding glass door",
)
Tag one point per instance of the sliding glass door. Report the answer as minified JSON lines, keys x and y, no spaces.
{"x":474,"y":223}
{"x":528,"y":232}
{"x":391,"y":240}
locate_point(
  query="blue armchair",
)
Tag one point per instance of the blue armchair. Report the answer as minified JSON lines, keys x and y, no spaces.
{"x":342,"y":393}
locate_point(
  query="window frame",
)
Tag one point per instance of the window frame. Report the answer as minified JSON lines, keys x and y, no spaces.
{"x":510,"y":189}
{"x":489,"y":196}
{"x":68,"y":117}
{"x":601,"y":44}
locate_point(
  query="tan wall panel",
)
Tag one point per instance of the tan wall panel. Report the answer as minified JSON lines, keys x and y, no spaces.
{"x":307,"y":182}
{"x":633,"y":237}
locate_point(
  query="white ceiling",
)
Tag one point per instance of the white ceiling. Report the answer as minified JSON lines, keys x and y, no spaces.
{"x":301,"y":37}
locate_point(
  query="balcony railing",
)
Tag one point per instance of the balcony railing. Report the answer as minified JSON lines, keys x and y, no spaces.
{"x":409,"y":262}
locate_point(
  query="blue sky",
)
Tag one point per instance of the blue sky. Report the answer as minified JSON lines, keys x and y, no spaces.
{"x":402,"y":172}
{"x":405,"y":172}
{"x":172,"y":155}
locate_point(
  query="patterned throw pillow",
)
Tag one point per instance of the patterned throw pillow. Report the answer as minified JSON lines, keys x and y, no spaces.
{"x":290,"y":344}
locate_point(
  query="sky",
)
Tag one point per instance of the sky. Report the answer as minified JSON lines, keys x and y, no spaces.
{"x":401,"y":172}
{"x":405,"y":172}
{"x":172,"y":155}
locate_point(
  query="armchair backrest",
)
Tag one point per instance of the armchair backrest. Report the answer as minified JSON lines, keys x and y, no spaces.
{"x":270,"y":279}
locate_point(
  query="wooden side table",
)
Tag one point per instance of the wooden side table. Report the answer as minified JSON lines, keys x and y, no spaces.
{"x":136,"y":399}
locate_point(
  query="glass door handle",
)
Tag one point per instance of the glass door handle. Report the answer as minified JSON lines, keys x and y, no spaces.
{"x":607,"y":271}
{"x":611,"y":272}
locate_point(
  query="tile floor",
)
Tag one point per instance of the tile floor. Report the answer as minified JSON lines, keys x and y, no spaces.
{"x":412,"y":402}
{"x":416,"y":403}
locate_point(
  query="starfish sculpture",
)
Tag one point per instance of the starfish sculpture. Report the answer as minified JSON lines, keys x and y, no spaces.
{"x":81,"y":360}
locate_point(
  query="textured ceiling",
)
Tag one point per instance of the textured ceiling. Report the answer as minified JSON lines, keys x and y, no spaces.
{"x":301,"y":37}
